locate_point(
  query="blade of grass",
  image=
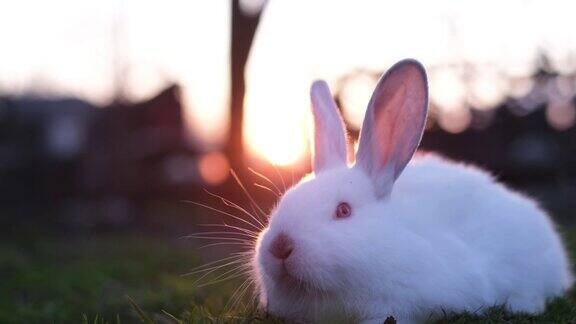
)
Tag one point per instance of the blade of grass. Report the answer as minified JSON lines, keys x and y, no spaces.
{"x":172,"y":317}
{"x":143,"y":317}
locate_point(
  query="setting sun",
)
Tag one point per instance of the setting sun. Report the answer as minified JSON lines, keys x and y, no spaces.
{"x":281,"y":148}
{"x":275,"y":132}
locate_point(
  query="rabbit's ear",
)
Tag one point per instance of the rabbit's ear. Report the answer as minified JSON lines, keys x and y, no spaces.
{"x":393,"y":124}
{"x":329,"y":133}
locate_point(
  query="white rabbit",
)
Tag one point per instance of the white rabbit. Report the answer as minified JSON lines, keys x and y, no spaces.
{"x":364,"y":242}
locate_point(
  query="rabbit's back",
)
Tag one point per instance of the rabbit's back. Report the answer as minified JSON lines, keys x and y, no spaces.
{"x":505,"y":235}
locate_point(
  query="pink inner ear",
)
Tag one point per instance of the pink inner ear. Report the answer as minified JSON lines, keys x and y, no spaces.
{"x":394,"y":121}
{"x":388,"y":123}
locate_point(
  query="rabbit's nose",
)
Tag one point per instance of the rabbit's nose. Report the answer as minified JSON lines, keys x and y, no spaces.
{"x":281,"y":246}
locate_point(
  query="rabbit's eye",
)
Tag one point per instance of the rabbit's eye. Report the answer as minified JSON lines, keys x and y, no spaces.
{"x":343,"y":210}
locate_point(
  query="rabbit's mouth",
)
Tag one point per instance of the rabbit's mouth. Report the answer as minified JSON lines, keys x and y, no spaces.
{"x":289,"y":279}
{"x":288,"y":276}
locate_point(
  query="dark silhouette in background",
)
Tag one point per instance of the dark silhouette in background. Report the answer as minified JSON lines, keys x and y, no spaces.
{"x":65,"y":154}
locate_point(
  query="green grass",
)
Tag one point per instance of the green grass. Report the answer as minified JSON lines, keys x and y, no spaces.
{"x":127,"y":278}
{"x":64,"y":280}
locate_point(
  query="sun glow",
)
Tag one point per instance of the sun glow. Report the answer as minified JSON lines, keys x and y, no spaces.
{"x":274,"y":130}
{"x":331,"y":39}
{"x":282,"y":147}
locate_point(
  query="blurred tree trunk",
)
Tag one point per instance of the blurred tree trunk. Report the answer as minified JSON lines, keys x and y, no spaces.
{"x":242,"y":33}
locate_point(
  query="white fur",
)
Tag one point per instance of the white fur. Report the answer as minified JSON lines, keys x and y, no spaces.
{"x":329,"y":135}
{"x":447,"y":238}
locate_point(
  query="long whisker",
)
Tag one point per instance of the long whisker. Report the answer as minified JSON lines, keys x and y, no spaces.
{"x":208,"y":273}
{"x":236,"y":269}
{"x":246,"y":255}
{"x":224,"y":225}
{"x":206,"y":265}
{"x":237,"y":259}
{"x":247,"y":193}
{"x":224,"y":213}
{"x":231,"y":302}
{"x":217,"y":233}
{"x":234,"y":273}
{"x":254,"y":297}
{"x":222,"y":232}
{"x":243,"y":288}
{"x":227,"y":243}
{"x":229,"y":239}
{"x":244,"y":291}
{"x":231,"y":299}
{"x":229,"y":203}
{"x":280,"y":176}
{"x":266,"y":188}
{"x":265,"y":178}
{"x":236,"y":264}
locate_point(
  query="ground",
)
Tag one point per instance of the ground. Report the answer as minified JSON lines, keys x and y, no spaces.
{"x":126,"y":278}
